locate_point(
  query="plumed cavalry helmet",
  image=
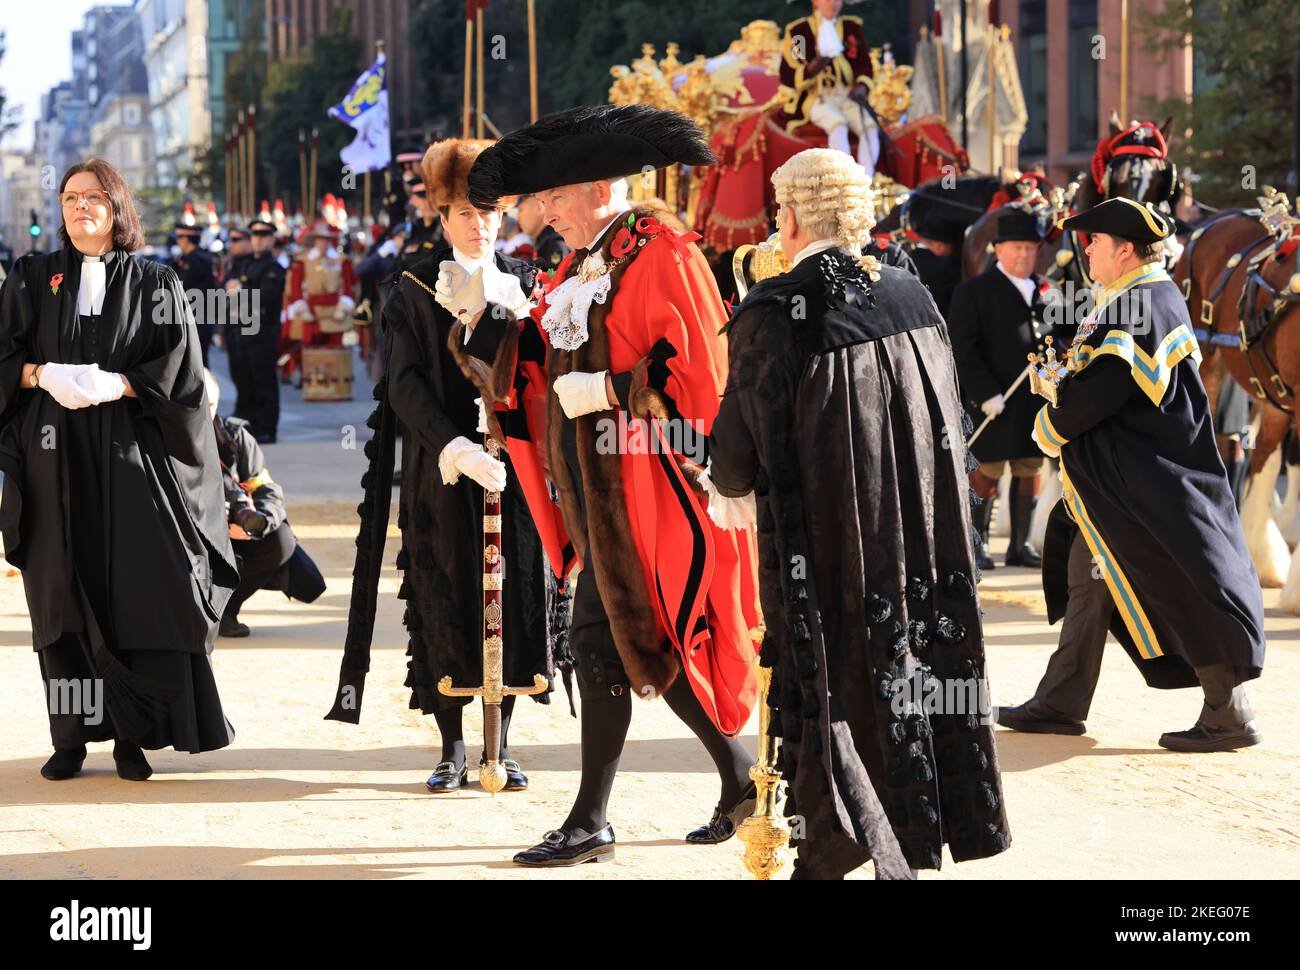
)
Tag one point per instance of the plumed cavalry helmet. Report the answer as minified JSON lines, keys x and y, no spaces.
{"x":585,"y":145}
{"x":1124,"y":218}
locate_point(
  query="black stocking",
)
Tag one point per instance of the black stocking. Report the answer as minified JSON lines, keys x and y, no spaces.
{"x":604,"y":729}
{"x":453,"y":736}
{"x":507,"y":709}
{"x":728,"y":754}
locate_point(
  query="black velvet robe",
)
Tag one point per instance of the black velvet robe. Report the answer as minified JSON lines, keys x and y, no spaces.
{"x":442,"y":525}
{"x":147,"y":571}
{"x":841,"y":414}
{"x":1143,"y":479}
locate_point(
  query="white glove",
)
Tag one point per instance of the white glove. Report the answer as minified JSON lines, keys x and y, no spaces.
{"x":388,"y":248}
{"x":60,"y":382}
{"x":582,"y":393}
{"x":100,"y":386}
{"x":1051,"y":451}
{"x":504,"y":290}
{"x":727,"y":512}
{"x":459,"y":292}
{"x":300,"y":310}
{"x":993,"y":406}
{"x":462,"y":457}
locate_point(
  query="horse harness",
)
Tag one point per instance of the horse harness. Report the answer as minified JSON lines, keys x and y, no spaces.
{"x":1253,"y":322}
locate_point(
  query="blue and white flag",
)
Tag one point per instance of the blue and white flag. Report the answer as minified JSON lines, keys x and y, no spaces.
{"x":366,"y":110}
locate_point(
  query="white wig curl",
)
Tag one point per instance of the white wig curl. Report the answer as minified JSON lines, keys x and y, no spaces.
{"x":830,"y":194}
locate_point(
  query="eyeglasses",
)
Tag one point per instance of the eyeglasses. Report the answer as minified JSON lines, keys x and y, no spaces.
{"x":70,"y":199}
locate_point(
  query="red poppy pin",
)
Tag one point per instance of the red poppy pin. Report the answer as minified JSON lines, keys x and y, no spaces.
{"x":55,"y":280}
{"x":624,"y":243}
{"x":851,"y":48}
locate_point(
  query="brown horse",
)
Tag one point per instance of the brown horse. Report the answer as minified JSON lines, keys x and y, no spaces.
{"x":1229,"y":256}
{"x":1133,"y":163}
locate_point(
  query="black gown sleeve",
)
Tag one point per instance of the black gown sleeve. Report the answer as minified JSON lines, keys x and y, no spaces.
{"x":15,"y":327}
{"x":409,"y":390}
{"x":759,"y":398}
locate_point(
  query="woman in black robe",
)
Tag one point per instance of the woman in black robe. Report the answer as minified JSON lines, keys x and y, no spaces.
{"x":112,"y":492}
{"x":440,"y":511}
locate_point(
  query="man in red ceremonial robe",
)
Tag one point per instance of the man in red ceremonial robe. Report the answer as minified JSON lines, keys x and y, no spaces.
{"x":620,"y":370}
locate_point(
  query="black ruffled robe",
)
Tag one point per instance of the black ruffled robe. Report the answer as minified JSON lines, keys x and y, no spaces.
{"x":115,"y":513}
{"x":842,"y":415}
{"x":442,"y":526}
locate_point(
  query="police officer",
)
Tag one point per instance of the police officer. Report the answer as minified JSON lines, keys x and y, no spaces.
{"x":425,"y":233}
{"x":195,"y":268}
{"x":255,"y":342}
{"x":996,"y":320}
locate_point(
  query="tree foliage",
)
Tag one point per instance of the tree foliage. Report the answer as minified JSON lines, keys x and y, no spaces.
{"x":10,"y":116}
{"x":1243,"y":112}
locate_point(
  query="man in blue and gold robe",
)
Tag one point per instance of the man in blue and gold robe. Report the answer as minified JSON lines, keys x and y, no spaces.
{"x":1147,"y":509}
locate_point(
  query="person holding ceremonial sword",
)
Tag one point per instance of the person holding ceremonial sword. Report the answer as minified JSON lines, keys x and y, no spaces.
{"x":475,"y":579}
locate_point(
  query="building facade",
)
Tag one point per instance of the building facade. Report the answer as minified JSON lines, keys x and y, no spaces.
{"x":176,"y":69}
{"x":1069,"y":54}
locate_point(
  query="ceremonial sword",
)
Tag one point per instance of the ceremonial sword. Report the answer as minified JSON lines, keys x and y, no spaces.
{"x":493,"y":775}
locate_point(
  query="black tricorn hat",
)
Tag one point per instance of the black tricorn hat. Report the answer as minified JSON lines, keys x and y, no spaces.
{"x":1124,"y":218}
{"x":584,"y":145}
{"x":1016,"y":225}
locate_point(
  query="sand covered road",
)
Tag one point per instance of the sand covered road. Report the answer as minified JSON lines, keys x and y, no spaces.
{"x":296,"y":796}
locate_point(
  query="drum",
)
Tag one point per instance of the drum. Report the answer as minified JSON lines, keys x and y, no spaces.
{"x":327,"y":373}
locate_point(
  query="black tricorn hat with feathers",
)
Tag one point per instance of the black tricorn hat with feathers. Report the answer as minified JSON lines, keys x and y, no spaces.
{"x":584,"y":145}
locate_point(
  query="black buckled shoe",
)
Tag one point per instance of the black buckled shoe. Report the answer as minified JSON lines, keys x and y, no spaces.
{"x":516,"y":780}
{"x":446,"y":777}
{"x":64,"y":763}
{"x":558,"y":848}
{"x":723,"y":824}
{"x":1019,"y":719}
{"x":1203,"y":737}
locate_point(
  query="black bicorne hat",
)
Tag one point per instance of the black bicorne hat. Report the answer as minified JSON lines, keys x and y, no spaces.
{"x":583,"y":145}
{"x":1124,"y":218}
{"x":1016,"y":225}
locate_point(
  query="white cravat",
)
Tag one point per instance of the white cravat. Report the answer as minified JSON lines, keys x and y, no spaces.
{"x":828,"y":39}
{"x":94,"y":281}
{"x":567,"y":305}
{"x":1024,"y":285}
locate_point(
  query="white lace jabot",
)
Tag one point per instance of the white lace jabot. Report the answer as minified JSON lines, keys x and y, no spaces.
{"x":568,"y":305}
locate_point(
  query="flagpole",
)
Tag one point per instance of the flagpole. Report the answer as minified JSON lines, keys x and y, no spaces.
{"x":315,"y":153}
{"x":532,"y":58}
{"x":302,"y":171}
{"x":239,"y":165}
{"x":469,"y":70}
{"x":478,"y":41}
{"x":252,"y":157}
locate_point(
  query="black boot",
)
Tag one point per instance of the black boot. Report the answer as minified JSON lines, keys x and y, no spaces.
{"x":64,"y":763}
{"x":983,"y":519}
{"x":1023,"y":503}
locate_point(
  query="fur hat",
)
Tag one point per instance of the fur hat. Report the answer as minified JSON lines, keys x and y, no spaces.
{"x":588,"y":144}
{"x":446,"y":168}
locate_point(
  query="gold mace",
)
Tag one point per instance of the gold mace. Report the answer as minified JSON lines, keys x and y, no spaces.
{"x":492,"y":776}
{"x":765,"y":833}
